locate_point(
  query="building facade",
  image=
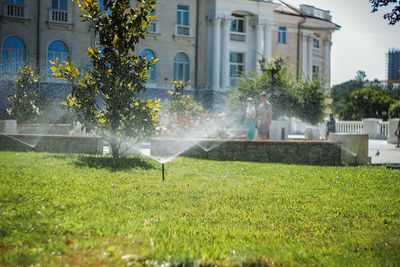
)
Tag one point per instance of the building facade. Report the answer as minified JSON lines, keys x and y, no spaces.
{"x":207,"y":42}
{"x":393,"y":71}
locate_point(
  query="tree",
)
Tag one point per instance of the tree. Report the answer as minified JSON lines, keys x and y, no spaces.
{"x":394,"y":16}
{"x":304,"y":99}
{"x":107,"y":98}
{"x":311,"y":99}
{"x":341,"y":93}
{"x":367,"y":103}
{"x":24,"y":105}
{"x":394,"y":110}
{"x":361,"y":76}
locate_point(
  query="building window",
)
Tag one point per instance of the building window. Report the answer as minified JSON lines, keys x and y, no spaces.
{"x":56,"y":49}
{"x":58,"y":12}
{"x":59,"y":4}
{"x":236,"y":67}
{"x":181,"y":67}
{"x":238,"y":28}
{"x":282,"y":35}
{"x":152,"y":28}
{"x":182,"y":21}
{"x":15,"y":8}
{"x":316,"y":41}
{"x":315,"y":71}
{"x":12,"y":55}
{"x":148,"y":54}
{"x":183,"y":15}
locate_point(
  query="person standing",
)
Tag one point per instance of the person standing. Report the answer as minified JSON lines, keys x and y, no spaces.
{"x":397,"y":133}
{"x":264,"y":117}
{"x":251,"y":119}
{"x":330,"y":126}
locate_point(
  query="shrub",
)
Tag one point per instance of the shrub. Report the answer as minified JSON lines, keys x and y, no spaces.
{"x":24,"y":104}
{"x":394,"y":110}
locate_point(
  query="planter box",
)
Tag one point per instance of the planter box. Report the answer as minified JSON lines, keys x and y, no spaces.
{"x":354,"y":148}
{"x":292,"y":152}
{"x":53,"y":129}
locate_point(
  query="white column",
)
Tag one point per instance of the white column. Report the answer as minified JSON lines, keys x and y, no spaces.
{"x":310,"y":56}
{"x":304,"y":57}
{"x":259,"y":45}
{"x":225,"y":49}
{"x":267,"y":42}
{"x":215,"y":82}
{"x":327,"y":62}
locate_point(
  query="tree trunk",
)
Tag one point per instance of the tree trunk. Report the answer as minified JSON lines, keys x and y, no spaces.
{"x":114,"y":147}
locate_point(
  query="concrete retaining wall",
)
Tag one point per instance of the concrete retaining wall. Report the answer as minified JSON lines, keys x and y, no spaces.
{"x":51,"y":143}
{"x":292,"y":152}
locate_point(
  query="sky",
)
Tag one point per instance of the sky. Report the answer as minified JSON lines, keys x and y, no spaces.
{"x":363,"y":40}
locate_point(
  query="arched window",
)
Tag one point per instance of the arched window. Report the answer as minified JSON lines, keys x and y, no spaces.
{"x":148,"y":54}
{"x":181,"y":67}
{"x":12,"y":55}
{"x":56,"y":49}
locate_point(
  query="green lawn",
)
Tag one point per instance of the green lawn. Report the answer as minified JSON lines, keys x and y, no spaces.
{"x":58,"y":209}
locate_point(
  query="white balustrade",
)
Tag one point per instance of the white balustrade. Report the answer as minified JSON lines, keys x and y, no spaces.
{"x":353,"y":127}
{"x":384,"y":128}
{"x":14,"y":10}
{"x":58,"y":16}
{"x":375,"y":128}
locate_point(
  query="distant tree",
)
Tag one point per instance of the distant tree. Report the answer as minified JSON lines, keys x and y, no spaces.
{"x":394,"y":16}
{"x":24,"y":105}
{"x":366,"y":103}
{"x":304,"y":99}
{"x":340,"y":93}
{"x":361,"y":76}
{"x":275,"y":80}
{"x":107,"y":99}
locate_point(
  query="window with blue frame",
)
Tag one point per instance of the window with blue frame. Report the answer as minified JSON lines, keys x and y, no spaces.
{"x":59,"y":4}
{"x":181,"y":67}
{"x":12,"y":55}
{"x":237,"y":24}
{"x":236,"y":67}
{"x":183,"y":15}
{"x":56,"y":49}
{"x":148,"y":54}
{"x":282,"y":35}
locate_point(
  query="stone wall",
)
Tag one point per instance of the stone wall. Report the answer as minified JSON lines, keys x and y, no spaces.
{"x":292,"y":152}
{"x":51,"y":143}
{"x":33,"y":128}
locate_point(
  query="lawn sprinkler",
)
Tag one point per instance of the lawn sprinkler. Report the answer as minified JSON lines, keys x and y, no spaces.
{"x":162,"y":170}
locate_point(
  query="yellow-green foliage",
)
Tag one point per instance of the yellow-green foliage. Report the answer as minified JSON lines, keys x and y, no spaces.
{"x":24,"y":103}
{"x":106,"y":99}
{"x":182,"y":109}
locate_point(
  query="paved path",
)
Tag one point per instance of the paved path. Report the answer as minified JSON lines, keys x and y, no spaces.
{"x":388,"y":153}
